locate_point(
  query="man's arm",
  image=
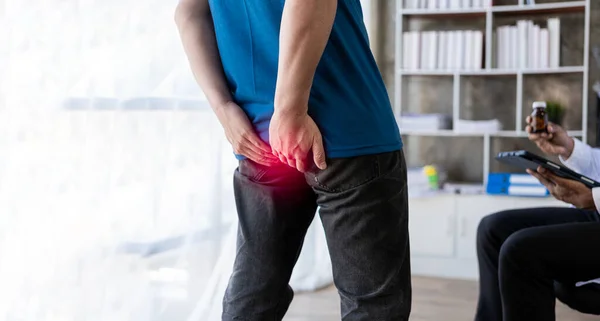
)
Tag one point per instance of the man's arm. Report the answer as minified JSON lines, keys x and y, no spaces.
{"x":197,"y":32}
{"x":305,"y":29}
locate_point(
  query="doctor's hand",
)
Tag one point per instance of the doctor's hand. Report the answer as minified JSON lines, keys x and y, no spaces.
{"x":566,"y":190}
{"x":556,"y":142}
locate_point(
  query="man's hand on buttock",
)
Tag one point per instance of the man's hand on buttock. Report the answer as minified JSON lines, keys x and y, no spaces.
{"x":293,"y":135}
{"x":240,"y":133}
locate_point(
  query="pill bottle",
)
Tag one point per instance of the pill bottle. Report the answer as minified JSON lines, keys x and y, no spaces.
{"x":539,"y":118}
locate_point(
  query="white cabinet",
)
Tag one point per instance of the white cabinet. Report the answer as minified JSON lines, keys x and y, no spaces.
{"x":443,"y":230}
{"x":432,"y":226}
{"x":470,"y":210}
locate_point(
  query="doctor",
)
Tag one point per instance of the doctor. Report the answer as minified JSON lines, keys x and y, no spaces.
{"x":530,"y":257}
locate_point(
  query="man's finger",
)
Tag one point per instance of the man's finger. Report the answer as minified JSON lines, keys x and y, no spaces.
{"x":283,"y":159}
{"x":319,"y":153}
{"x":259,"y":153}
{"x":301,"y":165}
{"x":291,"y":162}
{"x":257,"y":157}
{"x":258,"y":145}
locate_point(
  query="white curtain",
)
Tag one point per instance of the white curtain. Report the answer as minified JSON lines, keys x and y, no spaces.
{"x":115,"y":179}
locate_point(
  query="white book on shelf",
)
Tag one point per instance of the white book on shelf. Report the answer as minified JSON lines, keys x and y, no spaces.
{"x":442,"y":50}
{"x":468,"y":54}
{"x":465,"y":4}
{"x":522,"y":27}
{"x":554,"y":34}
{"x":506,"y":49}
{"x":451,"y":52}
{"x":431,"y":4}
{"x":443,"y":4}
{"x":406,"y":50}
{"x":430,"y":50}
{"x":514,"y":45}
{"x":499,"y":38}
{"x":477,"y":50}
{"x":544,"y":49}
{"x":460,"y":50}
{"x":415,"y":54}
{"x":504,"y":43}
{"x":424,"y":50}
{"x":531,"y":50}
{"x":508,"y":52}
{"x":536,"y":47}
{"x":433,"y":50}
{"x":454,"y":4}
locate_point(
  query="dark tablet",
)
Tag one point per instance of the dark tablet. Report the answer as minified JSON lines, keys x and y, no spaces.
{"x":527,"y":160}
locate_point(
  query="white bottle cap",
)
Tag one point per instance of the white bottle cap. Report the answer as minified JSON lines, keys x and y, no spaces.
{"x":539,"y":104}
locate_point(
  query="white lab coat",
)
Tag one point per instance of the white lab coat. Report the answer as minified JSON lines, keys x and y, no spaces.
{"x":586,"y":161}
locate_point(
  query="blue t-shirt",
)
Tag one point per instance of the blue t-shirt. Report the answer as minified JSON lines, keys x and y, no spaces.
{"x":348,"y":100}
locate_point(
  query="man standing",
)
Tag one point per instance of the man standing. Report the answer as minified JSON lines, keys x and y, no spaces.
{"x":299,"y":95}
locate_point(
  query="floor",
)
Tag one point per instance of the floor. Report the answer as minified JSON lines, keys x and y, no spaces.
{"x":433,"y":300}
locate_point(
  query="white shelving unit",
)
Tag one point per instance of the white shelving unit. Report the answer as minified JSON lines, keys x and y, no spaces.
{"x":443,"y":227}
{"x":489,"y":13}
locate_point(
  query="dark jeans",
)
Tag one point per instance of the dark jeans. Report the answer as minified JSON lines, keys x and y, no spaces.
{"x":528,"y":258}
{"x":364,"y":210}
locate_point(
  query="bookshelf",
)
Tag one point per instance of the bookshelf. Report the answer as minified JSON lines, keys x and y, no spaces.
{"x":443,"y":225}
{"x":487,"y":19}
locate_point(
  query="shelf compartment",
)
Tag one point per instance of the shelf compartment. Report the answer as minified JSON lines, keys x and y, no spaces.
{"x":488,"y":98}
{"x":416,"y":97}
{"x":448,"y":153}
{"x":563,"y":88}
